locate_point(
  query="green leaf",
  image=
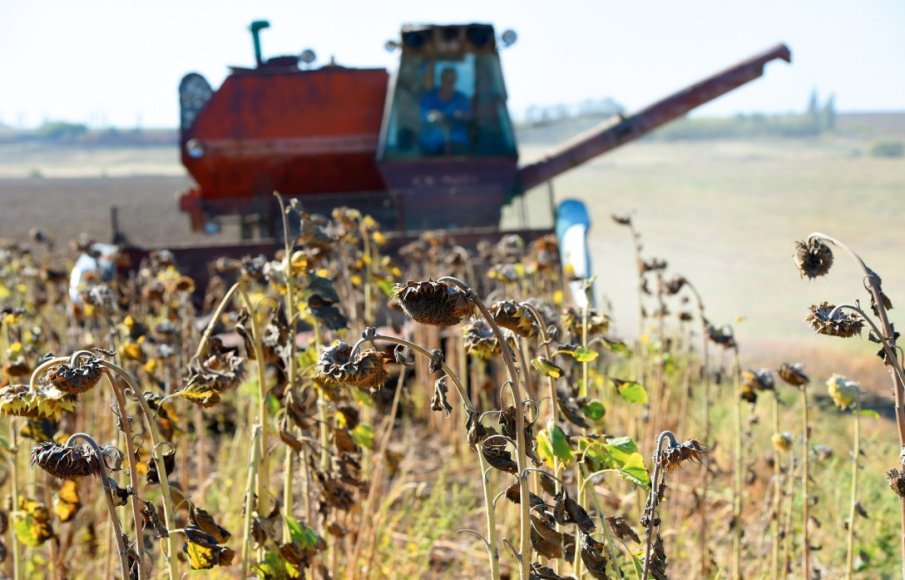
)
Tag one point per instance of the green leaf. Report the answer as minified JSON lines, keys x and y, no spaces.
{"x":544,"y":449}
{"x":634,"y":471}
{"x":631,"y":391}
{"x":583,"y":354}
{"x":669,"y":363}
{"x":362,"y":397}
{"x":307,"y":358}
{"x":387,"y":287}
{"x":547,"y":367}
{"x":5,"y":446}
{"x":593,"y":410}
{"x":301,"y":534}
{"x":559,"y":443}
{"x":363,"y":435}
{"x":869,"y":413}
{"x":619,"y":453}
{"x":616,"y":346}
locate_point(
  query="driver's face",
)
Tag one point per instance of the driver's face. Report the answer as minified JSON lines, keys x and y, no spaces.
{"x":448,"y":78}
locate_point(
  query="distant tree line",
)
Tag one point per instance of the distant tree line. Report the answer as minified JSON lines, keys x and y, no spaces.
{"x":816,"y":119}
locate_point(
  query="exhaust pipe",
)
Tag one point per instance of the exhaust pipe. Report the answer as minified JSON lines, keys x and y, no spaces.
{"x":256,"y":27}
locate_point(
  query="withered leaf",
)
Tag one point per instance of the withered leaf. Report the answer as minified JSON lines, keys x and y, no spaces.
{"x":120,"y":494}
{"x":513,"y":494}
{"x":476,"y":431}
{"x":497,"y":456}
{"x":568,"y":511}
{"x":621,"y":529}
{"x":152,"y":520}
{"x":169,"y":464}
{"x":544,"y":537}
{"x":508,"y":423}
{"x":205,"y":522}
{"x":439,"y":401}
{"x":540,"y":572}
{"x":438,"y":359}
{"x":593,"y":556}
{"x":203,"y":551}
{"x":568,"y":406}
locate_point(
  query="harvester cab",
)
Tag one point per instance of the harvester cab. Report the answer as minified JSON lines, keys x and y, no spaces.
{"x":447,"y":151}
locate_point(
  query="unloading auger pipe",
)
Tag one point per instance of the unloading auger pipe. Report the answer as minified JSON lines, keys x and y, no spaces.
{"x":620,"y":130}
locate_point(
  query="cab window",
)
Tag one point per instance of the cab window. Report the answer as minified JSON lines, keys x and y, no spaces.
{"x":444,"y":106}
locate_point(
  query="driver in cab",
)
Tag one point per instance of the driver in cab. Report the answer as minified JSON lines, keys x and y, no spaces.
{"x":445,"y":113}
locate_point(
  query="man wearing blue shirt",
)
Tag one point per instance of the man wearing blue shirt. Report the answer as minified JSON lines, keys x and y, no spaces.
{"x":445,"y":113}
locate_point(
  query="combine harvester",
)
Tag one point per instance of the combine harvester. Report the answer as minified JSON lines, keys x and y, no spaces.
{"x":431,"y":147}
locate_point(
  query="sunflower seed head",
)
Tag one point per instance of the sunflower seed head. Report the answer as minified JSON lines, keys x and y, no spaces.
{"x":831,"y":321}
{"x":813,"y":258}
{"x":676,"y":455}
{"x":896,"y":481}
{"x":65,"y":462}
{"x":365,"y":370}
{"x":794,"y":374}
{"x":433,"y":303}
{"x":76,"y":380}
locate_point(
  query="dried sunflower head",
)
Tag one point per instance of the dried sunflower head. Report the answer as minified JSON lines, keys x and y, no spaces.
{"x":76,"y":380}
{"x":831,"y":321}
{"x":675,"y":285}
{"x":515,"y":317}
{"x":480,"y":341}
{"x":896,"y":481}
{"x":761,"y":380}
{"x":782,"y":441}
{"x":843,"y":391}
{"x":813,"y":258}
{"x":365,"y":370}
{"x":222,"y":371}
{"x":747,"y":393}
{"x":722,"y":336}
{"x":675,"y":455}
{"x":433,"y":303}
{"x":794,"y":374}
{"x":65,"y":462}
{"x":652,"y":265}
{"x":42,"y":403}
{"x":598,"y":322}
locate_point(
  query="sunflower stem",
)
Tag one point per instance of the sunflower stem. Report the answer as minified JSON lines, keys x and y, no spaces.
{"x":852,"y":512}
{"x":169,"y":513}
{"x":264,"y":475}
{"x":133,"y":471}
{"x":253,"y":461}
{"x":806,"y":500}
{"x":108,"y":494}
{"x":521,"y":448}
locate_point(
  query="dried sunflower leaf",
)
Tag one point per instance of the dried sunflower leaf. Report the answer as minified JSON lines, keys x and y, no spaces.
{"x":439,"y":401}
{"x":205,"y":522}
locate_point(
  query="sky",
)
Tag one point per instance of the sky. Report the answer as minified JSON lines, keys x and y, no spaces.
{"x":118,"y":63}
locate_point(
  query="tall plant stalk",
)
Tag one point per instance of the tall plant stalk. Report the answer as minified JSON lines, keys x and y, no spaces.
{"x":777,"y":491}
{"x":522,"y":457}
{"x":805,"y":497}
{"x":263,"y":470}
{"x":853,"y":507}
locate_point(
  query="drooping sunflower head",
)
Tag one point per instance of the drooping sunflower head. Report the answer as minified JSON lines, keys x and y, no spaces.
{"x":65,"y":462}
{"x":364,"y":370}
{"x":433,"y":303}
{"x":813,"y":258}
